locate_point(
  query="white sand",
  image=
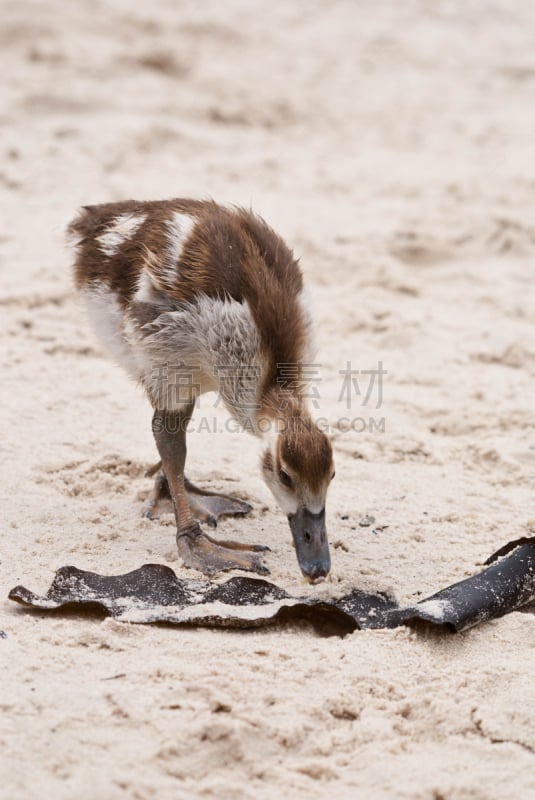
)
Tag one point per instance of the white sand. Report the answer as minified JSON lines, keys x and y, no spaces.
{"x":393,"y":145}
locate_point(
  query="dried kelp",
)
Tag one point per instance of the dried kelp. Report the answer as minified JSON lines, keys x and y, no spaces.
{"x":153,"y":593}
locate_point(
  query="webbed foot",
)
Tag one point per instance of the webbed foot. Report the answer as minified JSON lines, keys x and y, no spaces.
{"x":205,"y":506}
{"x":199,"y":551}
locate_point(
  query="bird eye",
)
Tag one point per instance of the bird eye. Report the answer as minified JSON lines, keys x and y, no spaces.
{"x":285,"y":479}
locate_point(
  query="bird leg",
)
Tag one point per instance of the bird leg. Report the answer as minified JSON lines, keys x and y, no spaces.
{"x":197,"y":549}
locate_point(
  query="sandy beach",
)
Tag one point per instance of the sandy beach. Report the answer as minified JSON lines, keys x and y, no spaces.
{"x":392,"y":145}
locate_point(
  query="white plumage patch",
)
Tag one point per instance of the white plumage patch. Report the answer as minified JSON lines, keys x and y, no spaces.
{"x":106,"y":316}
{"x":146,"y":291}
{"x":179,"y":229}
{"x":120,"y":229}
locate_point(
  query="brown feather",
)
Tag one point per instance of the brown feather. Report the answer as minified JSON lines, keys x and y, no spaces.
{"x":230,"y":253}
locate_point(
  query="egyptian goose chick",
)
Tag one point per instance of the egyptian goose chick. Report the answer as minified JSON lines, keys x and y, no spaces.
{"x":191,"y":297}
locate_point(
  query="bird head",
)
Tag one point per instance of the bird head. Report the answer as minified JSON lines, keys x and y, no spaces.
{"x":297,"y":466}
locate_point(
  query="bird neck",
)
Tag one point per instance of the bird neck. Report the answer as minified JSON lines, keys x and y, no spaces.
{"x":279,"y":409}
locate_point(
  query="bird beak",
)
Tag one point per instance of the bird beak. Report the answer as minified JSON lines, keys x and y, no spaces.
{"x":311,"y":545}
